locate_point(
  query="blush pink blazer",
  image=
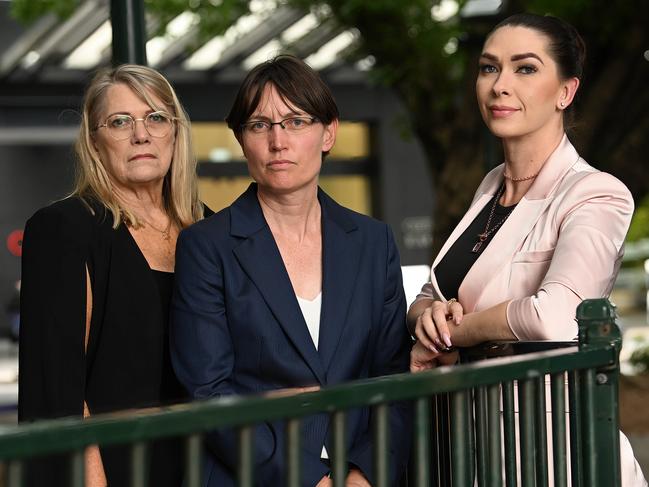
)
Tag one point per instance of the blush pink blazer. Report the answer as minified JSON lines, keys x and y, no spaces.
{"x":562,"y":243}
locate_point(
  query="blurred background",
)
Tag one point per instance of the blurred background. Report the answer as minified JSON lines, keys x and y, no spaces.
{"x":411,"y":148}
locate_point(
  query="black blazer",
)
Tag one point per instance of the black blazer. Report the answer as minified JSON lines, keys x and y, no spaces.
{"x":126,"y":363}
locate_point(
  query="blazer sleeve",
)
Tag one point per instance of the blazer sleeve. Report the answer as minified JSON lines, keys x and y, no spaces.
{"x":391,"y":355}
{"x":52,"y":317}
{"x":596,"y":214}
{"x":202,"y":352}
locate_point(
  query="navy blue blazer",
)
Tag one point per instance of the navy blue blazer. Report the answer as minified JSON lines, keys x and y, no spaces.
{"x":237,"y":328}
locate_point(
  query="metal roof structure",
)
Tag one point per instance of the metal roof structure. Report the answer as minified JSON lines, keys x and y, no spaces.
{"x":66,"y":50}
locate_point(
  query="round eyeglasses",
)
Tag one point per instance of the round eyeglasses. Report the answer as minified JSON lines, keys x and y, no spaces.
{"x":291,"y":124}
{"x":121,"y":126}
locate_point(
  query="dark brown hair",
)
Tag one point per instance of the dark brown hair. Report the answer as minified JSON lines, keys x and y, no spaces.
{"x":566,"y":46}
{"x":295,"y":81}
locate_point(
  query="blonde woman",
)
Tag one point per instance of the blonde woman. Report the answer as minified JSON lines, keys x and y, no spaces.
{"x":98,"y":271}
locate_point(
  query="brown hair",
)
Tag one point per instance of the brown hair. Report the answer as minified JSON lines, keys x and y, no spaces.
{"x":180,"y":187}
{"x":295,"y":81}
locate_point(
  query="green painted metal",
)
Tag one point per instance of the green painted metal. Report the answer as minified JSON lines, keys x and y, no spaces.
{"x":574,"y":400}
{"x":193,"y":460}
{"x":541,"y":430}
{"x":78,"y":468}
{"x":461,"y":471}
{"x":245,"y":465}
{"x":15,"y":476}
{"x":339,"y":464}
{"x":526,"y":426}
{"x":495,"y":437}
{"x":481,"y":435}
{"x":380,"y":415}
{"x":559,"y":451}
{"x":139,"y":473}
{"x":421,"y":438}
{"x":509,"y":432}
{"x":592,"y":371}
{"x":129,"y":31}
{"x":293,"y":448}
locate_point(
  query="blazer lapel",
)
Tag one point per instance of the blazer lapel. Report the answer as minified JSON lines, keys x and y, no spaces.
{"x":341,"y":251}
{"x":259,"y":257}
{"x":522,"y":220}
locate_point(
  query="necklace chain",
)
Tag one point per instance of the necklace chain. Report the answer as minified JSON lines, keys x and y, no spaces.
{"x":166,"y":235}
{"x":526,"y":178}
{"x":488,"y":231}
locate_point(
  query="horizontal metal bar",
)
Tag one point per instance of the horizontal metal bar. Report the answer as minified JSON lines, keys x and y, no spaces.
{"x":66,"y":434}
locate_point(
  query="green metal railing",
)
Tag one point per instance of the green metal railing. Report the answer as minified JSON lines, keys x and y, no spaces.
{"x":481,"y":439}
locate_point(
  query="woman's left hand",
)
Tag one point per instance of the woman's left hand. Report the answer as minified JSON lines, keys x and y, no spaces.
{"x":422,"y":358}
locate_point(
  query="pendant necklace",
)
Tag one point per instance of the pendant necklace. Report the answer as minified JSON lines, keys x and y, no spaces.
{"x":488,"y":231}
{"x":166,"y":234}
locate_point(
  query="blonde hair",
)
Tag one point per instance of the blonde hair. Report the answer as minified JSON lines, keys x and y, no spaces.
{"x":180,"y":187}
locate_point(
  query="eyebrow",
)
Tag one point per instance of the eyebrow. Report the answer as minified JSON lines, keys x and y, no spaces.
{"x":515,"y":57}
{"x":284,"y":116}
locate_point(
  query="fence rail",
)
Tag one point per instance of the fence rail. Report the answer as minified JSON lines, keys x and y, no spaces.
{"x":481,"y":438}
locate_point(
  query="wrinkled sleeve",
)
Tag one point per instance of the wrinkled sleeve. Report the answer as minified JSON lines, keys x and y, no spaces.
{"x":587,"y":257}
{"x":391,"y":356}
{"x":52,"y":318}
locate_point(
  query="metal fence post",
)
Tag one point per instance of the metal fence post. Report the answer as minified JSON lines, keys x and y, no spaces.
{"x":129,"y":31}
{"x":597,"y":328}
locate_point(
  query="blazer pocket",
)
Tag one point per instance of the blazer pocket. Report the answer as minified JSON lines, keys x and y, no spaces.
{"x":527,"y":272}
{"x":533,"y":256}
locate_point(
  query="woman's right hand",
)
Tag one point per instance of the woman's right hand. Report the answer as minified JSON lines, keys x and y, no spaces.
{"x":431,"y":328}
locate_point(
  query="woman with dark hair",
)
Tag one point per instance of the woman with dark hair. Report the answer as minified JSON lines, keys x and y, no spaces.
{"x":545,"y":229}
{"x":97,"y":273}
{"x":286,"y":289}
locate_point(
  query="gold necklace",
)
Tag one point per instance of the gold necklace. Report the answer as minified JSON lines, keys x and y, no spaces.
{"x":526,"y":178}
{"x":166,"y":234}
{"x":488,"y":231}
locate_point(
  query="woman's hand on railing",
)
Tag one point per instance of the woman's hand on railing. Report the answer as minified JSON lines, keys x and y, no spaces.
{"x":432,"y":325}
{"x":422,"y":358}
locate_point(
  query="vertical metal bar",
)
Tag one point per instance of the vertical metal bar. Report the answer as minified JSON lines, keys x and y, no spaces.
{"x":588,"y":427}
{"x":541,"y":430}
{"x":193,"y":460}
{"x":129,"y":31}
{"x":293,"y":440}
{"x":526,"y":424}
{"x":493,"y":420}
{"x":559,"y":453}
{"x":509,"y":428}
{"x":480,"y":395}
{"x":421,"y":436}
{"x":15,"y":477}
{"x":471,"y":436}
{"x":245,"y":470}
{"x":139,"y":470}
{"x":77,"y":468}
{"x":381,"y":413}
{"x":460,"y":452}
{"x":443,"y":444}
{"x":339,"y":465}
{"x":574,"y":400}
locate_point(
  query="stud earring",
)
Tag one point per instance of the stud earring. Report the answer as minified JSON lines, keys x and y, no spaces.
{"x":562,"y":104}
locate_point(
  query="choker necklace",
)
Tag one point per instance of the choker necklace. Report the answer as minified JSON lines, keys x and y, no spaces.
{"x":526,"y":178}
{"x":488,"y":231}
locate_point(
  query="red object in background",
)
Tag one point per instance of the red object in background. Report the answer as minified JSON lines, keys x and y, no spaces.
{"x":15,"y":243}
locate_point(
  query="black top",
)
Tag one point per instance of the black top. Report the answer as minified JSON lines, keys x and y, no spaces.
{"x":126,"y":364}
{"x":455,"y":265}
